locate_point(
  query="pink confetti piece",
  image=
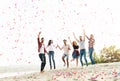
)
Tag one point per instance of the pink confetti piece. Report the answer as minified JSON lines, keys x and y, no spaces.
{"x":57,"y":16}
{"x":17,"y":40}
{"x":59,"y":73}
{"x":2,"y":26}
{"x":78,"y":13}
{"x":43,"y":11}
{"x":29,"y":62}
{"x":1,"y":54}
{"x":14,"y":22}
{"x":53,"y":78}
{"x":85,"y":4}
{"x":9,"y":7}
{"x":102,"y":72}
{"x":94,"y":78}
{"x":59,"y":11}
{"x":15,"y":5}
{"x":32,"y":0}
{"x":14,"y":47}
{"x":12,"y":28}
{"x":64,"y":77}
{"x":78,"y":76}
{"x":74,"y":73}
{"x":102,"y":78}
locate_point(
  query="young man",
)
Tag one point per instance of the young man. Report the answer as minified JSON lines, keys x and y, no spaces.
{"x":81,"y":42}
{"x":41,"y":51}
{"x":66,"y":49}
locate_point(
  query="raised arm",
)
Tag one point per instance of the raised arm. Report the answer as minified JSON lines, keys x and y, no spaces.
{"x":39,"y":36}
{"x":75,"y":37}
{"x":86,"y":36}
{"x":70,"y":40}
{"x":59,"y":47}
{"x":38,"y":40}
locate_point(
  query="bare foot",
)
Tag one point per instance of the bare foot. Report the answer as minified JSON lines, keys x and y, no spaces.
{"x":42,"y":72}
{"x":64,"y":64}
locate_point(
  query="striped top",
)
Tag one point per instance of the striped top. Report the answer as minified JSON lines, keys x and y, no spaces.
{"x":91,"y":43}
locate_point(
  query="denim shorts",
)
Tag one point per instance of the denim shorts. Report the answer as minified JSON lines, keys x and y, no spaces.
{"x":66,"y":55}
{"x":75,"y":54}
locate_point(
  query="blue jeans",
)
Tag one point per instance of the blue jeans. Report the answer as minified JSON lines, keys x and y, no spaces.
{"x":51,"y":56}
{"x":83,"y":52}
{"x":43,"y":61}
{"x":91,"y":57}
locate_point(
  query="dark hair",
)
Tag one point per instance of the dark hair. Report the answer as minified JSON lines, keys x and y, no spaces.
{"x":49,"y":43}
{"x":42,"y":38}
{"x":64,"y":40}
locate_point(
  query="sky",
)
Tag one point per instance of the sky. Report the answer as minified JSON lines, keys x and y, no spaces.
{"x":21,"y":20}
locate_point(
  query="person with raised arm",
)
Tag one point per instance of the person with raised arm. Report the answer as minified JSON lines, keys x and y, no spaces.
{"x":91,"y":42}
{"x":41,"y":51}
{"x":81,"y":42}
{"x":75,"y":53}
{"x":66,"y":49}
{"x":51,"y":53}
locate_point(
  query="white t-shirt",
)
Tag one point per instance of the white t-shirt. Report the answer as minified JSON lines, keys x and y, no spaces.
{"x":50,"y":47}
{"x":42,"y":48}
{"x":82,"y":44}
{"x":66,"y":49}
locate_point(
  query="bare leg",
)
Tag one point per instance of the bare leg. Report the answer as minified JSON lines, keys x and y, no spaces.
{"x":63,"y":60}
{"x":67,"y":63}
{"x":72,"y":59}
{"x":77,"y":62}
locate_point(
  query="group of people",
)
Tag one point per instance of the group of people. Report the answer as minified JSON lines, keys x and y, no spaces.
{"x":66,"y":48}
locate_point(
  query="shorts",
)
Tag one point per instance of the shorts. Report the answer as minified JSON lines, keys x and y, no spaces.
{"x":66,"y":55}
{"x":75,"y":54}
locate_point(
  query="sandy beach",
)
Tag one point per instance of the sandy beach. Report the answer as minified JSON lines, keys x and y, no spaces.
{"x":98,"y":72}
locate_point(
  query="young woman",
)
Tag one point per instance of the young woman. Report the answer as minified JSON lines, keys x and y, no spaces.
{"x":41,"y":51}
{"x":50,"y":48}
{"x":75,"y":53}
{"x":91,"y":47}
{"x":66,"y":48}
{"x":81,"y":42}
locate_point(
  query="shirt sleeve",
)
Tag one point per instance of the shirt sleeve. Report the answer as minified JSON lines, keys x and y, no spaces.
{"x":45,"y":50}
{"x":39,"y":44}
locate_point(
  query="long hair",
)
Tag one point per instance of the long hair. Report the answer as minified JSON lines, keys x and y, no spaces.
{"x":49,"y":42}
{"x":74,"y":43}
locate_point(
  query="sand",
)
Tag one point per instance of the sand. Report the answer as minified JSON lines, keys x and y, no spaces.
{"x":97,"y":72}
